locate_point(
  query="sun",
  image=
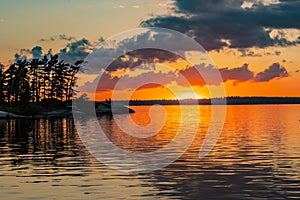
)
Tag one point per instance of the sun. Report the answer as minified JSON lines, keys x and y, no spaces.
{"x":190,"y":95}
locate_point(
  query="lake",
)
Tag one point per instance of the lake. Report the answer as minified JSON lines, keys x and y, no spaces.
{"x":256,"y":156}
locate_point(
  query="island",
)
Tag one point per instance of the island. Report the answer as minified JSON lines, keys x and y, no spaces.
{"x":44,"y":87}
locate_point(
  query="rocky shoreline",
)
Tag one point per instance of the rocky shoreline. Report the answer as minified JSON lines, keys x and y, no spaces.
{"x":7,"y":115}
{"x":101,"y":109}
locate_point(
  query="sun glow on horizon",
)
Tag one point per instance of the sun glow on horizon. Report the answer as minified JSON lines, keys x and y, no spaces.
{"x":190,"y":95}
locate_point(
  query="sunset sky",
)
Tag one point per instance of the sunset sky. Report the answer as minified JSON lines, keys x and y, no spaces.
{"x":255,"y":44}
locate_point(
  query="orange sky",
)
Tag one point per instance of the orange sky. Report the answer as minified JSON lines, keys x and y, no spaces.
{"x":287,"y":86}
{"x":277,"y":87}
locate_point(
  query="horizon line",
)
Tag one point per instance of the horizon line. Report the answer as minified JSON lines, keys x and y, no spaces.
{"x":228,"y":97}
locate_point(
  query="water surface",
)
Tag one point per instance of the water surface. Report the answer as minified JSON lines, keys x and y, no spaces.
{"x":256,"y":156}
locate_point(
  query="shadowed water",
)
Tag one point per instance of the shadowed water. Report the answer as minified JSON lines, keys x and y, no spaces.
{"x":256,"y":156}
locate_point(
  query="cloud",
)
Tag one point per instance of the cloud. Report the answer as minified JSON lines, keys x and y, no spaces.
{"x":144,"y":58}
{"x":58,"y":37}
{"x":226,"y":23}
{"x":65,"y":37}
{"x":277,"y":53}
{"x":51,"y":39}
{"x":128,"y":82}
{"x":79,"y":50}
{"x":274,"y":71}
{"x":251,"y":53}
{"x":108,"y":82}
{"x":75,"y":51}
{"x":239,"y":74}
{"x":142,"y":48}
{"x":37,"y":52}
{"x":208,"y":76}
{"x":191,"y":73}
{"x":136,"y":6}
{"x":248,"y":53}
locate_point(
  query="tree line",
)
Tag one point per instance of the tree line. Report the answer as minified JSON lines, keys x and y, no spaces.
{"x":36,"y":80}
{"x":236,"y":100}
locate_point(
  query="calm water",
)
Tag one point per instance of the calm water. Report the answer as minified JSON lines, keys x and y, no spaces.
{"x":256,"y":156}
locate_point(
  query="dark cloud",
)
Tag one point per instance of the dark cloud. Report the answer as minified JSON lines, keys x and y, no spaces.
{"x":239,"y":74}
{"x":146,"y":80}
{"x":144,"y":58}
{"x":75,"y":51}
{"x":107,"y":82}
{"x":37,"y":52}
{"x":19,"y":57}
{"x":58,"y":37}
{"x":274,"y":71}
{"x":191,"y":73}
{"x":142,"y":81}
{"x":277,"y":53}
{"x":47,"y":39}
{"x":130,"y":49}
{"x":226,"y":23}
{"x":143,"y":48}
{"x":198,"y":75}
{"x":248,"y":53}
{"x":65,"y":37}
{"x":251,"y":53}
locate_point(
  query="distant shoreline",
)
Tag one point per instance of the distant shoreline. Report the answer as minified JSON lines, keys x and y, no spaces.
{"x":219,"y":101}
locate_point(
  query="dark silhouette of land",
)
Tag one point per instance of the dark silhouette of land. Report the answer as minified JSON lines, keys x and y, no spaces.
{"x":220,"y":101}
{"x":33,"y":81}
{"x":36,"y":86}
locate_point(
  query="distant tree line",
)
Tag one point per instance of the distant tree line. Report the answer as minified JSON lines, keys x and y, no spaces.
{"x":219,"y":101}
{"x":37,"y":80}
